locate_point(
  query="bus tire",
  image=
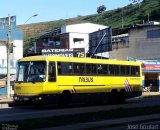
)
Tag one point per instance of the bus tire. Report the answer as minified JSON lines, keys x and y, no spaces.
{"x":113,"y":98}
{"x":65,"y":98}
{"x":18,"y":103}
{"x":39,"y":104}
{"x":122,"y":96}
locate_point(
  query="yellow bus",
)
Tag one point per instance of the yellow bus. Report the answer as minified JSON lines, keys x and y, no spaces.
{"x":64,"y":80}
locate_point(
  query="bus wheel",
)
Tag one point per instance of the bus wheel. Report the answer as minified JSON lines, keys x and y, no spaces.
{"x":65,"y":99}
{"x":18,"y":103}
{"x":122,"y":96}
{"x":38,"y":104}
{"x":113,"y":98}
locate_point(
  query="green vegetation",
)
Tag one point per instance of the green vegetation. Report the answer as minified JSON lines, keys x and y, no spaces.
{"x":131,"y":14}
{"x":79,"y":118}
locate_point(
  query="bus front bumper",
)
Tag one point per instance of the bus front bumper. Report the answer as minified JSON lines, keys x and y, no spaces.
{"x":26,"y":98}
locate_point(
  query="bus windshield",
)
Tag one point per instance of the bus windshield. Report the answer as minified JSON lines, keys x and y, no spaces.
{"x":31,"y":71}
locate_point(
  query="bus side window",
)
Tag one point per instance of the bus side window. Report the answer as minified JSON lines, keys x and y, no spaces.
{"x":127,"y":70}
{"x":52,"y":72}
{"x":78,"y":68}
{"x":91,"y":69}
{"x":135,"y":71}
{"x":59,"y":68}
{"x":99,"y":69}
{"x":111,"y":69}
{"x":117,"y":70}
{"x":105,"y":70}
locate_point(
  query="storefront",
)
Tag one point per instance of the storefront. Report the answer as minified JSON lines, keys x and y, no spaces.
{"x":3,"y":76}
{"x":16,"y":51}
{"x":151,"y":74}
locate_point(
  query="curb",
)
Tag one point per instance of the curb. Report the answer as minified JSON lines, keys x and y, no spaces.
{"x":4,"y":105}
{"x":4,"y":102}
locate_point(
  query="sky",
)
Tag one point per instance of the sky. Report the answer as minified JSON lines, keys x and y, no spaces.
{"x":50,"y":10}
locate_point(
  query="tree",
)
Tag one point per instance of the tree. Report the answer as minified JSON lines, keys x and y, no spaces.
{"x":137,"y":1}
{"x":101,"y":9}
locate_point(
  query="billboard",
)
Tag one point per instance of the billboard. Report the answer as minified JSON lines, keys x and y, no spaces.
{"x":151,"y":65}
{"x":3,"y":66}
{"x":100,"y":41}
{"x":73,"y":52}
{"x":15,"y":34}
{"x":4,"y":22}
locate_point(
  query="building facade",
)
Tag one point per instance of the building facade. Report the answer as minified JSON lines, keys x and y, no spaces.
{"x":66,"y":37}
{"x":151,"y":74}
{"x":16,"y":52}
{"x":141,"y":43}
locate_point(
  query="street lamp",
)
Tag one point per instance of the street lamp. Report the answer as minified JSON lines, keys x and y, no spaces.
{"x":30,"y":18}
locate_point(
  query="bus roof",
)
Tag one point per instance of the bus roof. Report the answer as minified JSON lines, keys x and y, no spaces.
{"x":75,"y":59}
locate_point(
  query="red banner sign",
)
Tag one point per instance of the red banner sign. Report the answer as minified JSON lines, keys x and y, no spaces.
{"x":151,"y":67}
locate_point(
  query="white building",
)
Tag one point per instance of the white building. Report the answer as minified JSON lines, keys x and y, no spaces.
{"x":79,"y":34}
{"x":69,"y":36}
{"x":17,"y":51}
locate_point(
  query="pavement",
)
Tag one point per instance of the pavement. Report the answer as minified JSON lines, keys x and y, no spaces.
{"x":133,"y":123}
{"x":5,"y":100}
{"x":113,"y":123}
{"x":105,"y":124}
{"x":150,"y":94}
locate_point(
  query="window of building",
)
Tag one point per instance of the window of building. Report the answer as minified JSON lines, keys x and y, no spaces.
{"x":153,"y":33}
{"x":78,"y":40}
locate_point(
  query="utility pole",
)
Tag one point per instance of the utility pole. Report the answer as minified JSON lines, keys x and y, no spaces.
{"x":8,"y":56}
{"x":122,"y":20}
{"x":148,"y":17}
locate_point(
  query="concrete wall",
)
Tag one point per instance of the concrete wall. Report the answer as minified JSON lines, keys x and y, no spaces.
{"x":3,"y":52}
{"x":17,"y":49}
{"x":139,"y":45}
{"x":145,"y":48}
{"x":81,"y":44}
{"x":17,"y":40}
{"x":80,"y":31}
